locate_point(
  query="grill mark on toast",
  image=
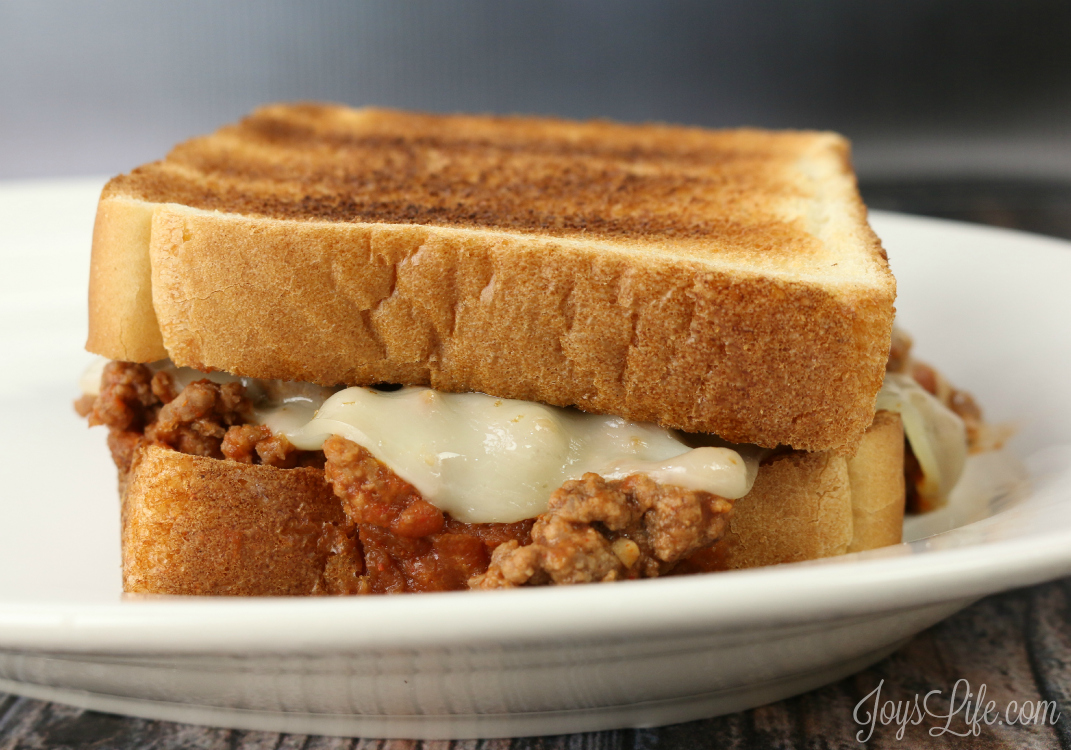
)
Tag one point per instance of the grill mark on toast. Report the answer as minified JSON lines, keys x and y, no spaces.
{"x":675,"y":186}
{"x":296,"y":137}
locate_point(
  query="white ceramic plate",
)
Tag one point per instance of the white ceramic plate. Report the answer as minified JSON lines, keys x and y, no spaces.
{"x":990,"y":307}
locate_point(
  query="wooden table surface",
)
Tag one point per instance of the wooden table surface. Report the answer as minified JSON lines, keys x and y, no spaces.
{"x":1017,"y":644}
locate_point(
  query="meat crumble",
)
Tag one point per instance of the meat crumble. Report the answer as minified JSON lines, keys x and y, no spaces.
{"x":203,"y":419}
{"x":599,"y":530}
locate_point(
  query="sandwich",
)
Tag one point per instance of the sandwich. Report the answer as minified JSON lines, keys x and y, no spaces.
{"x":366,"y":351}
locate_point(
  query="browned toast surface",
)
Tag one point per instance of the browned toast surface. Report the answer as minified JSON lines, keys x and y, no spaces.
{"x":647,"y":184}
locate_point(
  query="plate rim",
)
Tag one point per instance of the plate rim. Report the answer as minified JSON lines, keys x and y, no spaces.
{"x":863,"y":583}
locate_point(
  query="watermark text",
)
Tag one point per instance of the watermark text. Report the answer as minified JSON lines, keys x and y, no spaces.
{"x":964,"y":714}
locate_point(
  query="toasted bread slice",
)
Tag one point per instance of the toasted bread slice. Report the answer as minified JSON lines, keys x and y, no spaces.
{"x":722,"y":282}
{"x":806,"y":506}
{"x":195,"y":525}
{"x":876,"y":476}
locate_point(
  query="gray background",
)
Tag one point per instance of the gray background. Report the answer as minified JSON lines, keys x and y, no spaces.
{"x":923,"y":87}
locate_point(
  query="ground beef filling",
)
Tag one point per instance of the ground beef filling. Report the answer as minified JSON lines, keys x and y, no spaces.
{"x":409,"y":544}
{"x":599,"y":530}
{"x":593,"y":531}
{"x":203,"y":419}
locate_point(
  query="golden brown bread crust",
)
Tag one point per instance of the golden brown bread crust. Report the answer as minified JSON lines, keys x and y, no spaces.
{"x":799,"y":509}
{"x":202,"y":526}
{"x":876,"y":476}
{"x":715,"y":282}
{"x":592,"y":180}
{"x":121,"y":316}
{"x":805,"y":506}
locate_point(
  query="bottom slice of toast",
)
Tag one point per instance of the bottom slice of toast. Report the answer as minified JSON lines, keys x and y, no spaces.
{"x":203,"y":526}
{"x":196,"y":525}
{"x":806,"y":506}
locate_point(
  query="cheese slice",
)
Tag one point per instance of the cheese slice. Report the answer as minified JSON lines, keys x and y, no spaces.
{"x":484,"y":459}
{"x":937,"y":435}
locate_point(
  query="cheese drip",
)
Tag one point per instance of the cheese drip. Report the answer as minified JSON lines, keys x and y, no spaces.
{"x":492,"y":460}
{"x":936,"y":433}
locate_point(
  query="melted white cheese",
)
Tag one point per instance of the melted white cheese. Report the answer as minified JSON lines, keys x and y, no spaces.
{"x":282,"y":405}
{"x":936,"y":433}
{"x":89,"y":383}
{"x":485,"y":459}
{"x":479,"y":458}
{"x":699,"y":469}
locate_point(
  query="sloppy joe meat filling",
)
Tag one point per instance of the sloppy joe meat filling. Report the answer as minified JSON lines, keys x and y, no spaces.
{"x":594,"y":530}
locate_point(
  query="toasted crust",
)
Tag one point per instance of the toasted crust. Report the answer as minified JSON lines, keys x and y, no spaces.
{"x":121,"y":316}
{"x":195,"y":525}
{"x":721,"y":282}
{"x":805,"y":506}
{"x":876,"y":476}
{"x":799,"y":509}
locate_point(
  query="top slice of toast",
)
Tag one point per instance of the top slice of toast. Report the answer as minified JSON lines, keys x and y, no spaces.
{"x":716,"y":281}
